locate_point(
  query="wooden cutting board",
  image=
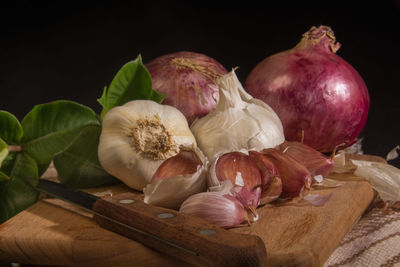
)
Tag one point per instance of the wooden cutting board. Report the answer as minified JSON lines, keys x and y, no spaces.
{"x":52,"y":232}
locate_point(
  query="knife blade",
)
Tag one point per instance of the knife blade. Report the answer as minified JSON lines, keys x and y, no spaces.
{"x":188,"y":238}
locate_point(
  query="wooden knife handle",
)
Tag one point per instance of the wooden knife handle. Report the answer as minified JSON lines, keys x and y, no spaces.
{"x":188,"y":238}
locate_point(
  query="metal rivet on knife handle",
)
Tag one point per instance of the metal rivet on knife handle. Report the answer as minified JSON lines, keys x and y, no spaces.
{"x":126,"y":201}
{"x":165,"y":215}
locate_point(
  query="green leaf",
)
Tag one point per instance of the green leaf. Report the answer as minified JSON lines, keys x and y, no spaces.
{"x":103,"y":100}
{"x":3,"y":177}
{"x":133,"y":81}
{"x":8,"y":162}
{"x":10,"y":128}
{"x":18,"y":193}
{"x":3,"y":151}
{"x":49,"y":128}
{"x":79,"y":166}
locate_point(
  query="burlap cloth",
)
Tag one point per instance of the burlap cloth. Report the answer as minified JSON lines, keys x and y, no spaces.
{"x":373,"y":241}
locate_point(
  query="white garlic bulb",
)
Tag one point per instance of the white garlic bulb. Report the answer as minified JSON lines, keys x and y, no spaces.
{"x":238,"y":122}
{"x":138,"y":136}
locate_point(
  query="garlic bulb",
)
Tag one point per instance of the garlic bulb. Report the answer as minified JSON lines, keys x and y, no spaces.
{"x":238,"y":122}
{"x":138,"y":136}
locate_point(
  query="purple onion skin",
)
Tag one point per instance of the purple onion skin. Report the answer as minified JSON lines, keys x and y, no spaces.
{"x":313,"y":90}
{"x":188,"y":79}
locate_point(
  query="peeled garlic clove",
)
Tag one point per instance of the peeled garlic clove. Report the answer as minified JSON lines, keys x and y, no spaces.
{"x":222,"y":210}
{"x":271,"y":182}
{"x":238,"y":168}
{"x":178,"y":178}
{"x":238,"y":122}
{"x":316,"y":162}
{"x":138,"y":136}
{"x":295,"y":176}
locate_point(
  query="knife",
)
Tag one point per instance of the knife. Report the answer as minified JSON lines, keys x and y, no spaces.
{"x":188,"y":238}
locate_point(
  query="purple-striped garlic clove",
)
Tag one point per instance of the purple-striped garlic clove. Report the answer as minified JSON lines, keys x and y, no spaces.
{"x":271,"y":186}
{"x":294,"y":175}
{"x":316,"y":162}
{"x":177,"y":178}
{"x":238,"y":168}
{"x":222,"y":210}
{"x":184,"y":163}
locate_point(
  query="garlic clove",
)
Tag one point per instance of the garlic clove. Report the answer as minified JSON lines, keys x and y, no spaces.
{"x":270,"y":177}
{"x":295,"y":177}
{"x":237,"y":168}
{"x":222,"y":210}
{"x":171,"y":191}
{"x":184,"y":163}
{"x":273,"y":191}
{"x":249,"y":198}
{"x":138,"y":136}
{"x":316,"y":162}
{"x":225,"y":187}
{"x":238,"y":122}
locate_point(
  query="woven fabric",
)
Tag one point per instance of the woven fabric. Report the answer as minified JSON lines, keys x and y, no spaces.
{"x":373,"y":241}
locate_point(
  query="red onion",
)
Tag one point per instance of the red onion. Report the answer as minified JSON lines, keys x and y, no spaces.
{"x":314,"y":92}
{"x":188,"y":79}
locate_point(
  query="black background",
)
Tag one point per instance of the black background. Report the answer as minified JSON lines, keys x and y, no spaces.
{"x":72,"y":51}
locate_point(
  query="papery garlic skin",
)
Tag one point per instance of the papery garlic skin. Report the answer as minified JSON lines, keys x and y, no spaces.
{"x":173,"y":191}
{"x":238,"y":122}
{"x":383,"y":177}
{"x":222,"y":210}
{"x":137,"y":136}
